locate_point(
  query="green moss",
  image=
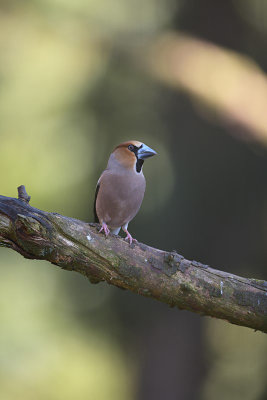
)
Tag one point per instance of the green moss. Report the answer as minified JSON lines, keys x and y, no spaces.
{"x":259,"y":282}
{"x":186,"y":287}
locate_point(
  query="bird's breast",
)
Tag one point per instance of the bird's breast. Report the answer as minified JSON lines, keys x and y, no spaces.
{"x":119,"y":197}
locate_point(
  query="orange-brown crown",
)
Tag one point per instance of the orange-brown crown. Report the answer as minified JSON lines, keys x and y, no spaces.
{"x":125,"y":156}
{"x":126,"y":144}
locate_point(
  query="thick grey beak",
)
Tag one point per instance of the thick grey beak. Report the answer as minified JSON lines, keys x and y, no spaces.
{"x":145,"y":152}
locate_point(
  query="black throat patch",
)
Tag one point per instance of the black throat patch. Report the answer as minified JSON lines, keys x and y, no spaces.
{"x":139,"y":162}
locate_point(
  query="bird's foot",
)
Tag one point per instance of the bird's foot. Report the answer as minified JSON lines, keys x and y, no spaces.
{"x":129,"y":237}
{"x":104,"y":228}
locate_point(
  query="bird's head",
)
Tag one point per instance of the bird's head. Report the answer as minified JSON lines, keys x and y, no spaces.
{"x":131,"y":155}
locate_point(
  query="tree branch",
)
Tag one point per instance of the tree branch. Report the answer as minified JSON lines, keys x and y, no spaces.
{"x":166,"y":276}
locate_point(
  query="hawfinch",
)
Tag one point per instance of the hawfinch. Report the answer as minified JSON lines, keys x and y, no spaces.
{"x":121,"y":187}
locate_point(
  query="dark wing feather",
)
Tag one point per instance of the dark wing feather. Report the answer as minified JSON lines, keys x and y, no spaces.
{"x":96,"y":193}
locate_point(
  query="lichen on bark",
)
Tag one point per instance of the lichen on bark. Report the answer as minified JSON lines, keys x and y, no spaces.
{"x":165,"y":276}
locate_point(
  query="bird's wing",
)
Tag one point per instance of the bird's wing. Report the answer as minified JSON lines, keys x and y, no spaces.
{"x":96,"y":193}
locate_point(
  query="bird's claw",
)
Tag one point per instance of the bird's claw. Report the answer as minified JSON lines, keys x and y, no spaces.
{"x":104,"y":228}
{"x":130,"y":238}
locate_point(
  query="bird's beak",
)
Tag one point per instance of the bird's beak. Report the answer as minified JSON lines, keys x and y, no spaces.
{"x":145,"y":152}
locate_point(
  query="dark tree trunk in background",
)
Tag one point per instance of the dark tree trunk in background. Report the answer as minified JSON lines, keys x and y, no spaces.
{"x":208,"y":203}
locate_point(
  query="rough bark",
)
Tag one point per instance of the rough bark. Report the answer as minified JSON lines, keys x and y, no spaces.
{"x":166,"y":276}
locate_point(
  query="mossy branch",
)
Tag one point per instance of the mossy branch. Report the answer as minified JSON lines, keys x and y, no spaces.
{"x":165,"y":276}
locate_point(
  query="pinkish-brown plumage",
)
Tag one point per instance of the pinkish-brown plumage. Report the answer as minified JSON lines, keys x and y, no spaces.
{"x":121,"y":187}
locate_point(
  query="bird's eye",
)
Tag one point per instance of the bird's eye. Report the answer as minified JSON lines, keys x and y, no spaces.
{"x":131,"y":147}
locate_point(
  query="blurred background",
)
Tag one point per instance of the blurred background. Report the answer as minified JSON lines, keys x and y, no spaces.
{"x":189,"y":79}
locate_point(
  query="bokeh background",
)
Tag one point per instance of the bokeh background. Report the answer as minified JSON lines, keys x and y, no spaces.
{"x":188,"y":78}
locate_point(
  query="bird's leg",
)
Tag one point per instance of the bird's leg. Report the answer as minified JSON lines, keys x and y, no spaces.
{"x":129,"y":236}
{"x":104,"y":228}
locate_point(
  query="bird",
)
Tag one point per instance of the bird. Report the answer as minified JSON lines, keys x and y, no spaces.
{"x":121,"y":187}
